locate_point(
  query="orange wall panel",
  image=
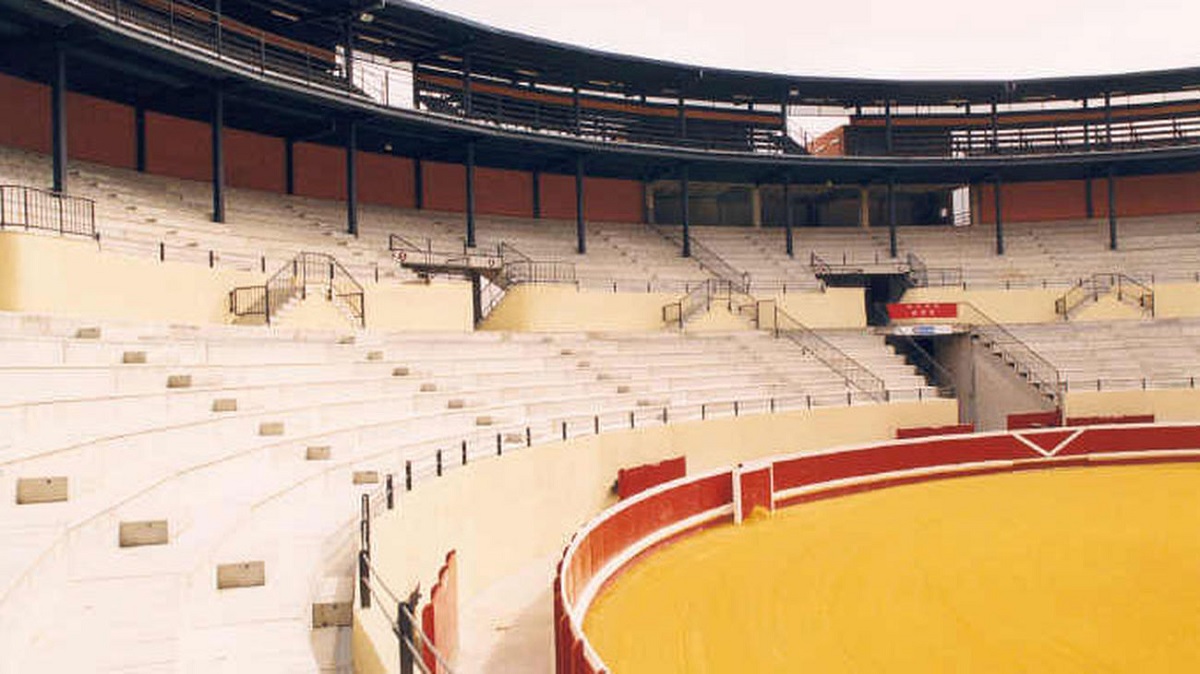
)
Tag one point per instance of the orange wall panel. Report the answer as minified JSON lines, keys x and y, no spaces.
{"x":612,"y":200}
{"x":385,"y":179}
{"x":558,"y":196}
{"x":320,"y":171}
{"x":445,"y":186}
{"x":500,"y":192}
{"x":1152,"y":195}
{"x":254,"y":161}
{"x":101,"y":131}
{"x":181,"y":148}
{"x":1038,"y":202}
{"x":24,"y":114}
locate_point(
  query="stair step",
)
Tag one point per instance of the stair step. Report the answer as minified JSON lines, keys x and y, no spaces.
{"x":177,"y":381}
{"x":318,"y":453}
{"x":332,"y":614}
{"x":225,"y":405}
{"x":366,"y":477}
{"x":241,"y":574}
{"x":133,"y":358}
{"x":270,"y":428}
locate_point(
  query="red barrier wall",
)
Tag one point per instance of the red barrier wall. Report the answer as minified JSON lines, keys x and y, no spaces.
{"x":637,"y":520}
{"x":1025,"y":420}
{"x":445,"y":186}
{"x":385,"y":179}
{"x":1065,"y":199}
{"x":101,"y":131}
{"x":177,"y":147}
{"x":500,"y":192}
{"x":757,"y":490}
{"x":638,"y":479}
{"x":439,"y":618}
{"x":928,"y":431}
{"x":25,"y":114}
{"x":319,"y":171}
{"x":254,"y":161}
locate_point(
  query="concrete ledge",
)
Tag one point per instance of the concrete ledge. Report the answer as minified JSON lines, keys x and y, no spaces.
{"x":332,"y":614}
{"x":270,"y":428}
{"x":241,"y":574}
{"x":137,"y":534}
{"x":34,"y":490}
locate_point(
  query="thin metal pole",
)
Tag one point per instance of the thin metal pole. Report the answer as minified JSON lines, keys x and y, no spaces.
{"x":218,"y":153}
{"x":997,"y":187}
{"x":352,"y":178}
{"x":580,"y":226}
{"x":470,"y":205}
{"x":58,"y":113}
{"x":683,"y":209}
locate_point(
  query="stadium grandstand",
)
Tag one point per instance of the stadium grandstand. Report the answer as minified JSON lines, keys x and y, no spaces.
{"x":359,"y":337}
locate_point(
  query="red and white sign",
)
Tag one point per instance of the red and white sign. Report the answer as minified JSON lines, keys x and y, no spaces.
{"x":900,"y":311}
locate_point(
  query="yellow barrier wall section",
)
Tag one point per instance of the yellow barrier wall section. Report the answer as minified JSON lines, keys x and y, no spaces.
{"x":550,"y":308}
{"x":40,"y":274}
{"x":1164,"y":404}
{"x":500,"y":514}
{"x":1036,"y":305}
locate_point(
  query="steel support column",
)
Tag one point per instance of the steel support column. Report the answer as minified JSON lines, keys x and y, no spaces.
{"x":1107,"y":121}
{"x":470,"y":205}
{"x":891,"y":216}
{"x":889,"y":142}
{"x":683,"y":210}
{"x":58,"y":118}
{"x":218,"y":153}
{"x":139,"y":138}
{"x":580,"y":227}
{"x":997,"y":186}
{"x":348,"y":39}
{"x":682,"y":119}
{"x":468,"y":104}
{"x":1112,"y":209}
{"x":352,"y":178}
{"x":995,"y":142}
{"x":789,"y":235}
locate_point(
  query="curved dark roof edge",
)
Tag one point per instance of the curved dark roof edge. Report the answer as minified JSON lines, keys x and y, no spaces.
{"x":969,"y":89}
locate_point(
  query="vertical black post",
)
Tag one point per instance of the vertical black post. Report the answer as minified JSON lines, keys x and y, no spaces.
{"x":139,"y":137}
{"x":1088,"y":200}
{"x":1112,"y":209}
{"x":58,"y":118}
{"x":1087,"y":129}
{"x":476,"y":298}
{"x":416,"y":86}
{"x":683,"y":210}
{"x":995,"y":127}
{"x":218,"y":26}
{"x":577,"y":109}
{"x":889,"y":143}
{"x":1107,"y":120}
{"x":289,"y":164}
{"x":470,"y":205}
{"x":997,"y":186}
{"x":891,"y":216}
{"x":647,"y":195}
{"x":537,"y":195}
{"x":352,"y":178}
{"x":468,"y":104}
{"x":348,"y":38}
{"x":218,"y":153}
{"x":682,"y":121}
{"x":789,"y":236}
{"x":580,"y":227}
{"x":418,"y":184}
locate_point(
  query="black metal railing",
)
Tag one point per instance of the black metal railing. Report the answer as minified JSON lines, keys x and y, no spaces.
{"x":1126,"y":288}
{"x":197,"y":28}
{"x":1028,"y":363}
{"x":293,"y":279}
{"x":921,"y":275}
{"x":706,"y":257}
{"x":853,"y":372}
{"x":29,"y":208}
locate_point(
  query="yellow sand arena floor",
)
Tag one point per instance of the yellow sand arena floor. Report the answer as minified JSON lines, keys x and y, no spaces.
{"x":1068,"y":570}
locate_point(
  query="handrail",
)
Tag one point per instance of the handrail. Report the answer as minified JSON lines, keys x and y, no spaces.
{"x":853,"y":372}
{"x":293,"y":279}
{"x":708,"y":259}
{"x":1128,"y":289}
{"x":1041,"y":373}
{"x":681,"y":310}
{"x":28,"y":208}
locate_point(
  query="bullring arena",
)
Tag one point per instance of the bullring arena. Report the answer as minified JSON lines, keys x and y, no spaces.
{"x":361,"y":337}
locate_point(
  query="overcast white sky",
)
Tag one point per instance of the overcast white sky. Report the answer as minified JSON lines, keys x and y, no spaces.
{"x":869,"y":38}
